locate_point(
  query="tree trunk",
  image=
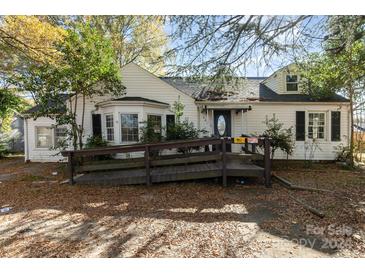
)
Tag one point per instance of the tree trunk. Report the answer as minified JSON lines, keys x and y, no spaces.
{"x":81,"y":128}
{"x":74,"y":125}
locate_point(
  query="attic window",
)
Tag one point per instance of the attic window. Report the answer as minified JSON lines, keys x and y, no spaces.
{"x":292,"y":82}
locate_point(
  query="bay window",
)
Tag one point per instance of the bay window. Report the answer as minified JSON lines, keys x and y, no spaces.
{"x":129,"y":127}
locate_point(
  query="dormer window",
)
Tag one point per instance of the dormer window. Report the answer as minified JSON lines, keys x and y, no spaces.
{"x":291,"y":82}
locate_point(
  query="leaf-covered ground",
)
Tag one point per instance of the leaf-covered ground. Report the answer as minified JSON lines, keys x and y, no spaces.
{"x":196,"y":219}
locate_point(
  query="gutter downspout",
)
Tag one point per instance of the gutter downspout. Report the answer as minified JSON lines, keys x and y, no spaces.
{"x":26,"y":144}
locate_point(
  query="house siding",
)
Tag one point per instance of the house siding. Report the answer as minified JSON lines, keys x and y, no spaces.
{"x":254,"y":123}
{"x":32,"y":153}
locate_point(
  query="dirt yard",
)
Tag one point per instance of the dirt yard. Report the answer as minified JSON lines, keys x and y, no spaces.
{"x":201,"y":219}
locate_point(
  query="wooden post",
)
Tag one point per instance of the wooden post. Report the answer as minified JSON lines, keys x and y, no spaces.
{"x":267,"y":163}
{"x":71,"y":167}
{"x":147,"y":165}
{"x":224,"y":162}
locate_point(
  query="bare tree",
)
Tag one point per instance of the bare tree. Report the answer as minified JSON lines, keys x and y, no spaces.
{"x":226,"y":45}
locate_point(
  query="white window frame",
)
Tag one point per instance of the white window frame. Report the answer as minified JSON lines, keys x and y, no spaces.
{"x":120,"y":127}
{"x":324,"y":125}
{"x":286,"y":82}
{"x":55,"y":141}
{"x":106,"y":127}
{"x":36,"y":137}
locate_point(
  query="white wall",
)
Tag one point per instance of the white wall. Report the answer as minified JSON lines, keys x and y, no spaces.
{"x":141,"y":83}
{"x":253,"y":123}
{"x":138,"y":83}
{"x":277,"y":81}
{"x":33,"y":153}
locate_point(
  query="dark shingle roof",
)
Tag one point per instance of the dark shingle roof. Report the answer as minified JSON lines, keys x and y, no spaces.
{"x":268,"y":95}
{"x":50,"y":104}
{"x":246,"y":89}
{"x":139,"y":99}
{"x":240,"y":90}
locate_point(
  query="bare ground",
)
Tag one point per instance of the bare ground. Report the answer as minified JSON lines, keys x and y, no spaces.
{"x":200,"y":219}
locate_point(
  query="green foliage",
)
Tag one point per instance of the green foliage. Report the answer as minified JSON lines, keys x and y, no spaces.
{"x":340,"y":68}
{"x":10,"y":102}
{"x":280,"y":137}
{"x":184,"y":130}
{"x":178,"y":109}
{"x":139,"y":39}
{"x":95,"y":142}
{"x":148,"y":133}
{"x":3,"y":146}
{"x":87,"y":67}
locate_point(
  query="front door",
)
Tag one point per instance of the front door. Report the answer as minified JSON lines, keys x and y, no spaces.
{"x":222,"y":124}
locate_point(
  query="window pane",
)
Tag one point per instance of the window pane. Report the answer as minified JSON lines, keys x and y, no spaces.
{"x":291,"y":78}
{"x":316,"y":125}
{"x":109,"y":122}
{"x":155,"y":121}
{"x":129,"y":127}
{"x":43,"y":137}
{"x":60,"y":135}
{"x":292,"y":87}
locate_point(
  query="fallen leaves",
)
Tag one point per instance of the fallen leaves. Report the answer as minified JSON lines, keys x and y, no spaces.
{"x":174,"y":220}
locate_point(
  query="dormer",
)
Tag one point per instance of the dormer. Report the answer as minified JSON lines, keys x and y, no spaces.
{"x":285,"y":80}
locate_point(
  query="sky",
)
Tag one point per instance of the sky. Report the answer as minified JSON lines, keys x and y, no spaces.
{"x":257,"y":68}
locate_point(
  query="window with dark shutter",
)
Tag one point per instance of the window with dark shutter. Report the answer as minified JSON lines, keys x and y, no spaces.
{"x":170,"y":122}
{"x":335,"y":126}
{"x":300,"y":126}
{"x":96,"y":123}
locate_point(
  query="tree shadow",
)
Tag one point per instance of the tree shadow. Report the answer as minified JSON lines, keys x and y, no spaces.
{"x":109,"y":216}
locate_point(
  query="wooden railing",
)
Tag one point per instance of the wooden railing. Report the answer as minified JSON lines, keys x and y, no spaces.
{"x":218,"y":143}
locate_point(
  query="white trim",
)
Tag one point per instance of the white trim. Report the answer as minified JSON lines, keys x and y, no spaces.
{"x":36,"y":137}
{"x":247,"y":103}
{"x":110,"y":103}
{"x":325,"y":127}
{"x":106,"y":128}
{"x":120,"y":127}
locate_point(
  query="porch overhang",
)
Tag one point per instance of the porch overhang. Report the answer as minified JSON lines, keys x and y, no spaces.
{"x":237,"y":106}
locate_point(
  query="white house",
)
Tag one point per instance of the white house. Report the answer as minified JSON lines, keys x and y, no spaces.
{"x":242,"y":109}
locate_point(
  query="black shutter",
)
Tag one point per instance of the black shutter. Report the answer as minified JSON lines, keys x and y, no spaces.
{"x":300,"y":126}
{"x":96,"y":125}
{"x":335,"y":126}
{"x":170,"y":122}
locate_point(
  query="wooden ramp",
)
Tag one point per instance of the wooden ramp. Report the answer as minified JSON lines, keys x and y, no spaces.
{"x":170,"y":173}
{"x":210,"y":161}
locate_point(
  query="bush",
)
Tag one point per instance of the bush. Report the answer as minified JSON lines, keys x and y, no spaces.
{"x":149,"y":135}
{"x":184,"y":131}
{"x":95,"y":142}
{"x":4,"y":150}
{"x":280,"y":138}
{"x":343,"y":153}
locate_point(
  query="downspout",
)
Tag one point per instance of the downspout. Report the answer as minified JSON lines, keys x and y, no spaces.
{"x":26,"y":144}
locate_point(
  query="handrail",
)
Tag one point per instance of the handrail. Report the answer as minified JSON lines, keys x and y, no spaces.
{"x":141,"y":147}
{"x":147,"y":148}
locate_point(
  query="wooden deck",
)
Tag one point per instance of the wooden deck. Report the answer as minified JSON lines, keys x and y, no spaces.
{"x":170,"y":173}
